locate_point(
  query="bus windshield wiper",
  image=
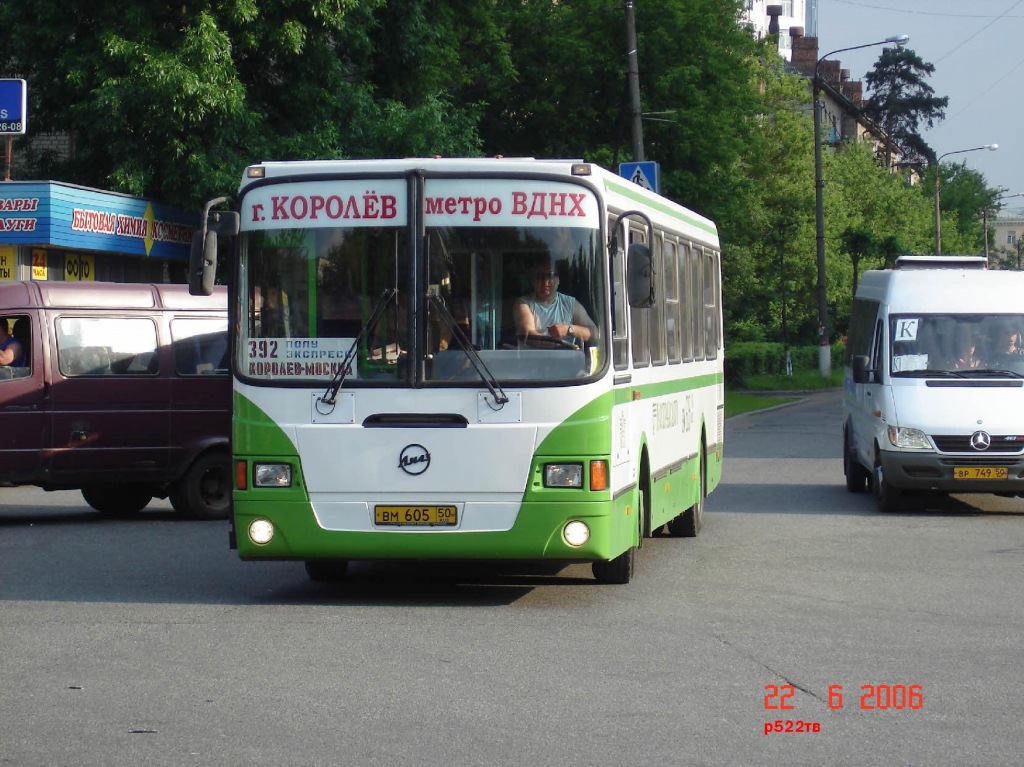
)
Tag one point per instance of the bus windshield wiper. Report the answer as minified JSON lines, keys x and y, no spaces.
{"x":331,"y":394}
{"x":500,"y":398}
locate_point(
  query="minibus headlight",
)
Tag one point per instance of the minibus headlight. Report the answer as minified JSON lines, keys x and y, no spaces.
{"x":272,"y":475}
{"x":576,"y":533}
{"x":910,"y":439}
{"x":261,"y":531}
{"x":563,"y":475}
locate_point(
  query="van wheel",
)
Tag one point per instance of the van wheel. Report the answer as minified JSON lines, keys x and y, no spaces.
{"x":691,"y":522}
{"x":204,"y":492}
{"x":857,"y":476}
{"x":117,"y":500}
{"x":887,"y":497}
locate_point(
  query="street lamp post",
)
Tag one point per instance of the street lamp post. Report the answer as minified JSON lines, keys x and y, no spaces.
{"x":824,"y":350}
{"x":938,"y":174}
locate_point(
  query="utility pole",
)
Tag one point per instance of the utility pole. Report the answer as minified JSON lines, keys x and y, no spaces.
{"x":636,"y":116}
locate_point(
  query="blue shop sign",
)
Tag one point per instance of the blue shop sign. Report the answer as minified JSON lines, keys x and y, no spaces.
{"x":68,"y":216}
{"x":13,"y":112}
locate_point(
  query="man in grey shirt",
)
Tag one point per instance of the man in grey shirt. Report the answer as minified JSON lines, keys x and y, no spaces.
{"x":546,"y":312}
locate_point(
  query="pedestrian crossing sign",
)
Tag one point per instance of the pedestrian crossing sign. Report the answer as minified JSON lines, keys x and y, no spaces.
{"x":645,"y":174}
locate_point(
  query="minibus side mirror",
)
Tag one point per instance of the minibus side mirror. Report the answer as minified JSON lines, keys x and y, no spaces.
{"x":861,"y":372}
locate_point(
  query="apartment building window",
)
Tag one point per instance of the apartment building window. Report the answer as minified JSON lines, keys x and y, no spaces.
{"x":1011,"y":237}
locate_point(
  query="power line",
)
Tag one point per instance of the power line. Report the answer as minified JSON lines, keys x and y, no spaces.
{"x":968,"y":39}
{"x":916,"y":12}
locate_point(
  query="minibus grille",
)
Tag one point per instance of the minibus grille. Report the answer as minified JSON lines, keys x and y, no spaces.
{"x":957,"y":443}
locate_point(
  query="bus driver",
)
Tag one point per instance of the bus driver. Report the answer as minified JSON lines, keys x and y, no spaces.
{"x":546,"y":312}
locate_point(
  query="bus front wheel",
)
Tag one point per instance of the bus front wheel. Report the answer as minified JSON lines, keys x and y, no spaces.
{"x":621,"y":568}
{"x":326,"y":570}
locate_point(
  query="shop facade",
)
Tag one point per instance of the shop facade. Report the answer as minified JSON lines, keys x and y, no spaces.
{"x":50,"y":230}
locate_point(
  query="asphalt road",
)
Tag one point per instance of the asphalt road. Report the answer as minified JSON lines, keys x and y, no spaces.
{"x":147,"y":642}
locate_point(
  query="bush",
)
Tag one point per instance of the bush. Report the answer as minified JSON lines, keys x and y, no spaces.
{"x":745,"y":359}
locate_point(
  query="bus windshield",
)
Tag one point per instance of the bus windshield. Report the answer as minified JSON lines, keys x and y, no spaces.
{"x":519,"y":300}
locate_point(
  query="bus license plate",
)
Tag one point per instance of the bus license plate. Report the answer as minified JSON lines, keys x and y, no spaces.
{"x":416,"y":515}
{"x":980,"y":472}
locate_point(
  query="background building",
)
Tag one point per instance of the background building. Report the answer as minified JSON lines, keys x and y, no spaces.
{"x":790,"y":13}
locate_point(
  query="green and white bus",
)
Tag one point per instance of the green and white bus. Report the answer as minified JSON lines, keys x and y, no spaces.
{"x":389,"y":405}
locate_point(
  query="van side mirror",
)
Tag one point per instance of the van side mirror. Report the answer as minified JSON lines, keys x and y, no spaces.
{"x":639,"y":276}
{"x":861,"y":372}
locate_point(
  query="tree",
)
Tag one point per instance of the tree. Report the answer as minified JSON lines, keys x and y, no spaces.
{"x":903,"y":103}
{"x":172,"y":103}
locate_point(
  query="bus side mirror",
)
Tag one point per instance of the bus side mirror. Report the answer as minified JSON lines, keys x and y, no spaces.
{"x":861,"y":373}
{"x":202,"y":262}
{"x":639,"y":276}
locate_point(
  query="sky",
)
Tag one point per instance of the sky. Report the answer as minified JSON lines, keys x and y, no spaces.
{"x":977,"y":48}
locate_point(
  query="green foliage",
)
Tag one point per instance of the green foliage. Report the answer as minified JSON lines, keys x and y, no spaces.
{"x":747,"y":362}
{"x":963,"y":196}
{"x":172,"y":102}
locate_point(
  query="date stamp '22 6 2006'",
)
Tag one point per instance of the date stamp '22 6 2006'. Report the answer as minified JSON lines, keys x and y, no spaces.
{"x":873,"y":697}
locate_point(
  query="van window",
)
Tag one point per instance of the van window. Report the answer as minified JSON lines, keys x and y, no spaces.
{"x":106,"y":346}
{"x":18,"y":336}
{"x":200,"y":346}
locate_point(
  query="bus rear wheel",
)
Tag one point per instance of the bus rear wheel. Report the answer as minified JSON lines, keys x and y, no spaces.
{"x":691,"y":522}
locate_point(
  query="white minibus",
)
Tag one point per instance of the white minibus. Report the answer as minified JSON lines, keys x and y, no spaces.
{"x":934,"y":386}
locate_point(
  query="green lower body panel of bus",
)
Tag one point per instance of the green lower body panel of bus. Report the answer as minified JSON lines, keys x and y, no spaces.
{"x":538,"y":533}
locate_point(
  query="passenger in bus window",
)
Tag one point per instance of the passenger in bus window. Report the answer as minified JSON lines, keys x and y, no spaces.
{"x":11,"y":352}
{"x":546,"y":312}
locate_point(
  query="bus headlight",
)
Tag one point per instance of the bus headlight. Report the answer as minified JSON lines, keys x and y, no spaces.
{"x":563,"y":475}
{"x":272,"y":475}
{"x":576,"y":533}
{"x":912,"y":439}
{"x":261,"y":531}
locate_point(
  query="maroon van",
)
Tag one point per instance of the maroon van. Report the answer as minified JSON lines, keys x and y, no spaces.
{"x":124,"y":394}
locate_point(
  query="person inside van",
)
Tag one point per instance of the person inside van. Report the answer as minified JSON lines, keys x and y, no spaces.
{"x":11,"y":352}
{"x":1005,"y":345}
{"x":964,"y":350}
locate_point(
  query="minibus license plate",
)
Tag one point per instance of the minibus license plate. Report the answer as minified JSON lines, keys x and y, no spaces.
{"x":416,"y":515}
{"x":980,"y":472}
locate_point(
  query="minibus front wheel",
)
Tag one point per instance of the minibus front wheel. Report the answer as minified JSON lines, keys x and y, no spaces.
{"x":204,"y":490}
{"x":117,"y":500}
